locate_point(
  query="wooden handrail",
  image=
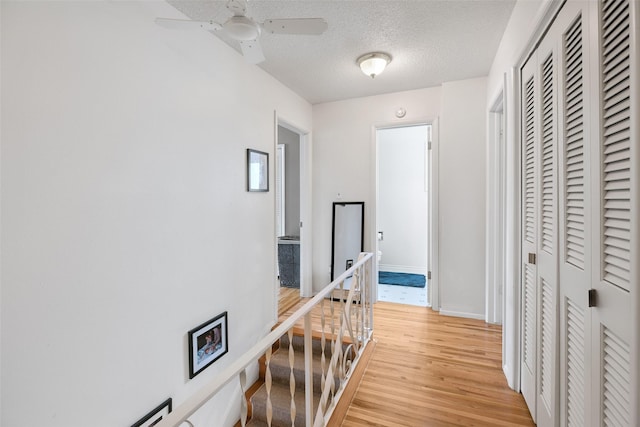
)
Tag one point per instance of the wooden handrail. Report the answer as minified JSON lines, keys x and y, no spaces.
{"x":194,"y":402}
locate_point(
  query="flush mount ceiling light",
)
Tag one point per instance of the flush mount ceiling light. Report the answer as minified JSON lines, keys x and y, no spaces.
{"x":373,"y":63}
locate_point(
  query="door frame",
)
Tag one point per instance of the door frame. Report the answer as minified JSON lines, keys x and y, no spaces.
{"x":496,"y":218}
{"x":432,"y":204}
{"x":512,"y":320}
{"x":306,"y":237}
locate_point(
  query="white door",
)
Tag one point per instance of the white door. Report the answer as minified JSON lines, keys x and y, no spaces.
{"x":575,"y":215}
{"x":540,"y":237}
{"x":613,"y":190}
{"x":587,"y":62}
{"x":529,"y":120}
{"x":547,"y":251}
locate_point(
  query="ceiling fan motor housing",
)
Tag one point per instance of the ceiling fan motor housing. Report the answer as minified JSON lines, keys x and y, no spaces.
{"x":242,"y":28}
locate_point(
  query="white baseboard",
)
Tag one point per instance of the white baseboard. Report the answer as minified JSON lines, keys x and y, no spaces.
{"x":402,"y":269}
{"x":509,"y":375}
{"x":461,"y":314}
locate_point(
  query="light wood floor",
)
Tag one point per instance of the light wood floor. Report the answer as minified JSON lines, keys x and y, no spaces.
{"x":429,"y":370}
{"x":288,"y":298}
{"x":433,"y":370}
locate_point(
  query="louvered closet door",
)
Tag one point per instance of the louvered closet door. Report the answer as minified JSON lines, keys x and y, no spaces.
{"x":547,"y":248}
{"x":615,"y":229}
{"x":597,"y":192}
{"x":574,"y":215}
{"x":529,"y":333}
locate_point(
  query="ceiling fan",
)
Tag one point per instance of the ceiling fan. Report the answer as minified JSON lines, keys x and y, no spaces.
{"x":247,"y":31}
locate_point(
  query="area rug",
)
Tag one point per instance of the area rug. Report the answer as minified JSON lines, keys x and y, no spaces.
{"x":401,"y":279}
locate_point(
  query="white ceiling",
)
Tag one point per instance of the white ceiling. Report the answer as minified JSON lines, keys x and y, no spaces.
{"x":430,"y":41}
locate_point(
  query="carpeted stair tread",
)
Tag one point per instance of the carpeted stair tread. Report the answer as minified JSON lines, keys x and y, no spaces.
{"x":280,"y":390}
{"x":280,"y":369}
{"x":316,"y":344}
{"x":257,"y":423}
{"x":281,"y":403}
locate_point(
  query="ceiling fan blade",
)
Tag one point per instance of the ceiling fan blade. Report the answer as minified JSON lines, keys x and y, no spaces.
{"x":187,"y":24}
{"x":312,"y":26}
{"x":252,"y":51}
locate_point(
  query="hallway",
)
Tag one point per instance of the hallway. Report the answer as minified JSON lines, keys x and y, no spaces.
{"x":433,"y":370}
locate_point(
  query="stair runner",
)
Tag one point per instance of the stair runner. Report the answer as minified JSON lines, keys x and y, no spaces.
{"x":280,"y":390}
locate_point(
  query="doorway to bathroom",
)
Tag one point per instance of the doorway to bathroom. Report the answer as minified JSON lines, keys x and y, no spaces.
{"x":402,"y":214}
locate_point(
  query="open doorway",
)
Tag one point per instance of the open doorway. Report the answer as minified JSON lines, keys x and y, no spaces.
{"x":402,"y":214}
{"x":292,"y":215}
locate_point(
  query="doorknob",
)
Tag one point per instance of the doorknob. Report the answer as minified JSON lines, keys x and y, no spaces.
{"x":381,"y":235}
{"x":532,"y":258}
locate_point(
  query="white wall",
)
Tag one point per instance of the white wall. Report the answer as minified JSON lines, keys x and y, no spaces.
{"x":125,"y":220}
{"x":462,"y":197}
{"x":344,"y":163}
{"x":522,"y":23}
{"x":343,"y":156}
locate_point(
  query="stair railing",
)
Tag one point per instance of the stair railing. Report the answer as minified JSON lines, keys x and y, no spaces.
{"x":344,"y":310}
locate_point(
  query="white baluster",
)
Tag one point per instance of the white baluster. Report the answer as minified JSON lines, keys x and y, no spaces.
{"x":267,"y":382}
{"x":323,"y":345}
{"x":243,"y":399}
{"x":308,"y":367}
{"x":292,"y":378}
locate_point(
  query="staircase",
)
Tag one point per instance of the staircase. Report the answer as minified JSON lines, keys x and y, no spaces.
{"x":281,"y":372}
{"x":336,"y":314}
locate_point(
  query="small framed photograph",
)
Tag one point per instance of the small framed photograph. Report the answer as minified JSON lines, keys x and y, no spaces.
{"x":207,"y":343}
{"x":155,"y":416}
{"x":257,"y":170}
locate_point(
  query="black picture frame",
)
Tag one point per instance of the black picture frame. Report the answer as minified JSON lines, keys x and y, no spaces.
{"x":155,"y":416}
{"x":207,"y":343}
{"x":257,"y":171}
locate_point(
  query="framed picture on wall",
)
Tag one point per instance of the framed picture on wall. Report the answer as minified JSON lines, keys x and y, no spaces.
{"x":257,"y":170}
{"x":155,"y":416}
{"x":207,"y":343}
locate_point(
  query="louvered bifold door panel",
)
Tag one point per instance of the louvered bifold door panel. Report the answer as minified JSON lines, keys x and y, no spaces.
{"x":575,"y":217}
{"x":530,"y":223}
{"x":613,"y":323}
{"x":547,"y":221}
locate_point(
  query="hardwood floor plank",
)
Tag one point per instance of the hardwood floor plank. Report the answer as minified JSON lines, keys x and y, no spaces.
{"x":288,"y":298}
{"x":431,"y":370}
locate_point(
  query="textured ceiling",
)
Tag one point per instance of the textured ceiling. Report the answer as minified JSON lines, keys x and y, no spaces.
{"x":430,"y":42}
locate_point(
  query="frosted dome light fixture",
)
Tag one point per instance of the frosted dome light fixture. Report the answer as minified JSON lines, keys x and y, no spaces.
{"x":242,"y":28}
{"x":373,"y":63}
